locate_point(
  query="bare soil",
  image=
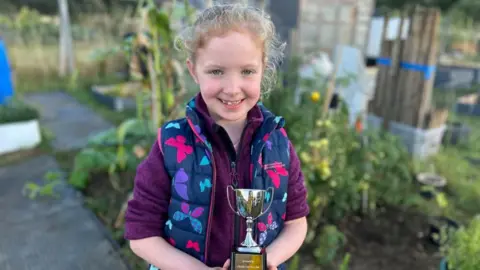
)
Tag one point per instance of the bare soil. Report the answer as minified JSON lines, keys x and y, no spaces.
{"x":394,"y":239}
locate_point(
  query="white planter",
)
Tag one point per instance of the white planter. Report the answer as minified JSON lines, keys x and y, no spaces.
{"x":19,"y":136}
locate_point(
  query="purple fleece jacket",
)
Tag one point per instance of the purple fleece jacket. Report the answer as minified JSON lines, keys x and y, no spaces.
{"x":147,"y":211}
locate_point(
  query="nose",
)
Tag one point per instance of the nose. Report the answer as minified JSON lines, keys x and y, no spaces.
{"x":232,"y":85}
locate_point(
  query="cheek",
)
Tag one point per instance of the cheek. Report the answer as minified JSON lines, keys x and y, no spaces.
{"x":209,"y":86}
{"x":253,"y":88}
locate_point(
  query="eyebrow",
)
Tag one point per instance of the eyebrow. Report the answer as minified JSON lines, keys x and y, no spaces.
{"x":209,"y":66}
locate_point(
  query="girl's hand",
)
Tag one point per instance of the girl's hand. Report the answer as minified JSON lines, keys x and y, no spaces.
{"x":270,"y":266}
{"x":226,"y":265}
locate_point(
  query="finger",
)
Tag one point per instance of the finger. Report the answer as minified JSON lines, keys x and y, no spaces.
{"x":226,"y":264}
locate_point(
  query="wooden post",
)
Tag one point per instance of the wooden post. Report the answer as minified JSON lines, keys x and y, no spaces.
{"x":66,"y":57}
{"x":430,"y":60}
{"x":394,"y":91}
{"x":381,"y":80}
{"x":353,"y":26}
{"x":410,"y":78}
{"x":338,"y":59}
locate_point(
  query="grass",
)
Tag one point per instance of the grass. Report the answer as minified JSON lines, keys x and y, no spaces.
{"x":29,"y":79}
{"x":463,"y":177}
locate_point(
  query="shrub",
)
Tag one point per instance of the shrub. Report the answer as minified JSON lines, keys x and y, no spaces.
{"x":16,"y":111}
{"x":464,"y":249}
{"x":346,"y":170}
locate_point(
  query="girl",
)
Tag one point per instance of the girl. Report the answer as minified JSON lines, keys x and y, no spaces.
{"x":179,"y":217}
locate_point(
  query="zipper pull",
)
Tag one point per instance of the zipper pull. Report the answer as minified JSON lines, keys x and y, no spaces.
{"x":233,"y":165}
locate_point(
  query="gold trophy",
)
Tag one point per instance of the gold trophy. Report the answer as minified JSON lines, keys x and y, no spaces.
{"x":249,"y":255}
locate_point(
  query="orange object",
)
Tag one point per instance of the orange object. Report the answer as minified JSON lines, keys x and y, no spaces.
{"x":359,"y":125}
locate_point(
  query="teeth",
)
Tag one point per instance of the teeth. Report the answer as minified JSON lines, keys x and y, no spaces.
{"x":230,"y":102}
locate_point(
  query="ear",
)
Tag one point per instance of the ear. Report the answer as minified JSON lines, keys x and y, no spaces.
{"x":191,"y":69}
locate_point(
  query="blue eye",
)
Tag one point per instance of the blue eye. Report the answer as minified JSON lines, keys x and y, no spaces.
{"x":248,"y":72}
{"x":216,"y":72}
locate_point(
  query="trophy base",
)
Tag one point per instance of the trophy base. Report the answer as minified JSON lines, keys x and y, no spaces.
{"x":248,"y":261}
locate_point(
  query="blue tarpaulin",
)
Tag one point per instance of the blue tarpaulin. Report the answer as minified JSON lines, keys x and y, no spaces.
{"x":6,"y":86}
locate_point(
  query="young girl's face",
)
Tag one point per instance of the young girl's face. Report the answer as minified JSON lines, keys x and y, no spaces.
{"x":229,"y":70}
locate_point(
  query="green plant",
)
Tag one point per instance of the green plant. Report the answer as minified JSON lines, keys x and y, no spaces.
{"x":346,"y":170}
{"x":114,"y":150}
{"x":464,"y":249}
{"x":16,"y":110}
{"x":329,"y":242}
{"x":154,"y":45}
{"x":52,"y":180}
{"x":345,"y":262}
{"x":294,"y":262}
{"x":122,"y":148}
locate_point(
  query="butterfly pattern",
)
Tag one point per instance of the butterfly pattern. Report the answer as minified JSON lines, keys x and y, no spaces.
{"x":180,"y":183}
{"x":193,"y":216}
{"x":268,"y":143}
{"x":193,"y":245}
{"x":173,"y":125}
{"x":265,"y":227}
{"x":205,"y":184}
{"x":183,"y":150}
{"x":274,"y":171}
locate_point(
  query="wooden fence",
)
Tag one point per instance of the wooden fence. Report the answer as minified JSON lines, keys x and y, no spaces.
{"x":407,"y":71}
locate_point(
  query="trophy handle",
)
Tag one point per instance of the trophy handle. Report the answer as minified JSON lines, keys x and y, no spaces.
{"x":228,"y":199}
{"x":270,"y":203}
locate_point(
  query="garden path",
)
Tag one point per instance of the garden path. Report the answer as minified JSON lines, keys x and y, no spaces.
{"x":53,"y":233}
{"x":67,"y":119}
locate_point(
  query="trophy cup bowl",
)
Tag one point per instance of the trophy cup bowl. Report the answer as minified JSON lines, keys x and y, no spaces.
{"x":250,"y":205}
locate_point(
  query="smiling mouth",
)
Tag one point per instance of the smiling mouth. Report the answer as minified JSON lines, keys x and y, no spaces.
{"x":231,"y":102}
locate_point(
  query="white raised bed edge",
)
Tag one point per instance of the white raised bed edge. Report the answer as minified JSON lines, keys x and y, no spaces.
{"x":19,"y":136}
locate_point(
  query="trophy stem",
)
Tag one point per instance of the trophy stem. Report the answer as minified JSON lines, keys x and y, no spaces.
{"x":249,"y":242}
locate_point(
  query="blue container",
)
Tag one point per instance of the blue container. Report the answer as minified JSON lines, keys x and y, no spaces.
{"x":6,"y":86}
{"x":443,"y":264}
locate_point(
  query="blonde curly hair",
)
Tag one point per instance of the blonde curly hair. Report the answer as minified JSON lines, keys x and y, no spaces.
{"x":221,"y":18}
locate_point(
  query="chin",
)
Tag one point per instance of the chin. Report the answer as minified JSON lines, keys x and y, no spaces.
{"x":232,"y":117}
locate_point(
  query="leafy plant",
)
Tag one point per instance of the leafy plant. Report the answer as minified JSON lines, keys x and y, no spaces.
{"x":163,"y":83}
{"x":328,"y":244}
{"x":52,"y":180}
{"x":122,"y":148}
{"x":16,"y":110}
{"x":345,"y":262}
{"x":462,"y":252}
{"x":114,"y":150}
{"x":347,"y":170}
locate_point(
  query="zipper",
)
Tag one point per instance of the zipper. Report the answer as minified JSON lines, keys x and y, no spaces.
{"x":233,"y":166}
{"x":236,"y":229}
{"x":237,"y":232}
